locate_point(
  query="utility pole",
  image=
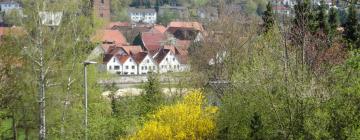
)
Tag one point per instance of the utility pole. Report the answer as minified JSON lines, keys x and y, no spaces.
{"x":86,"y":63}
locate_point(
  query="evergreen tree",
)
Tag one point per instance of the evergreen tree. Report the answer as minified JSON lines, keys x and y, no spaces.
{"x":351,"y":26}
{"x":268,"y":18}
{"x":256,"y":127}
{"x":322,"y":18}
{"x":152,"y":96}
{"x":333,"y":20}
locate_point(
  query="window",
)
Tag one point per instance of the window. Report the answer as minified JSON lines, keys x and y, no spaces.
{"x":114,"y":60}
{"x":116,"y":67}
{"x":126,"y":73}
{"x":132,"y":67}
{"x":132,"y":73}
{"x":145,"y":67}
{"x":130,"y":60}
{"x":178,"y":67}
{"x":126,"y":67}
{"x":109,"y":67}
{"x":173,"y":59}
{"x":101,"y":15}
{"x":102,"y":1}
{"x":166,"y":59}
{"x":153,"y":67}
{"x":147,"y":61}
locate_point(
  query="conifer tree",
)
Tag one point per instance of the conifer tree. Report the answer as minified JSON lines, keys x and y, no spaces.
{"x":268,"y":18}
{"x":351,"y":26}
{"x":256,"y":127}
{"x":322,"y":18}
{"x":333,"y":20}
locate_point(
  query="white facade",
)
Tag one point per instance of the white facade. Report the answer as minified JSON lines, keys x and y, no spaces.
{"x":169,"y":64}
{"x":130,"y":67}
{"x":143,"y":15}
{"x":6,"y":6}
{"x":147,"y":65}
{"x":114,"y":65}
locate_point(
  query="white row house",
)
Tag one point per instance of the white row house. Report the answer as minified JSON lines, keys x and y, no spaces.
{"x":142,"y":15}
{"x":128,"y":62}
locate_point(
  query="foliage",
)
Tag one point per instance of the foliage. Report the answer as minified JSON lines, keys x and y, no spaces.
{"x":322,"y":17}
{"x":351,"y":33}
{"x":167,"y":17}
{"x":152,"y":96}
{"x":188,"y":119}
{"x":268,"y":18}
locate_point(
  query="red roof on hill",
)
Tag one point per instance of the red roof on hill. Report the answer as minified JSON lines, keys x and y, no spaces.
{"x":152,"y":40}
{"x":186,"y":25}
{"x":114,"y":36}
{"x":159,"y":28}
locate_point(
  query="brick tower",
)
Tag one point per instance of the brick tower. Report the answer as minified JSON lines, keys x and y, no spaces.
{"x":102,"y":9}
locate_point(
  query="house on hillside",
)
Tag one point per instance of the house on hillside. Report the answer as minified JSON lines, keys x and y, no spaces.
{"x":9,"y":5}
{"x":145,"y":63}
{"x":186,"y":30}
{"x":109,"y":37}
{"x":167,"y":61}
{"x":180,"y":11}
{"x":137,"y":15}
{"x":121,"y":64}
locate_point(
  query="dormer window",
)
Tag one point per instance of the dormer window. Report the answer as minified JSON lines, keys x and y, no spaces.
{"x":102,"y":1}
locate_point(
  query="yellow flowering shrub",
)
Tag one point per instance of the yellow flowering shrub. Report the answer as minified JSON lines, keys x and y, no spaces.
{"x":188,"y":119}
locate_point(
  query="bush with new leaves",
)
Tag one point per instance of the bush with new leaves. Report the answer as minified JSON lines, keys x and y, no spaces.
{"x":188,"y":119}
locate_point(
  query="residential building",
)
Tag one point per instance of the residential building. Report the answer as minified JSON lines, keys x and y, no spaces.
{"x":145,"y":63}
{"x":167,"y":61}
{"x":8,"y":5}
{"x":137,"y":15}
{"x":109,"y":37}
{"x":185,"y":30}
{"x":102,"y":9}
{"x":182,"y":13}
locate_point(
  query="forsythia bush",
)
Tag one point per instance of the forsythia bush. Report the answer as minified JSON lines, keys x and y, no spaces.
{"x":188,"y":119}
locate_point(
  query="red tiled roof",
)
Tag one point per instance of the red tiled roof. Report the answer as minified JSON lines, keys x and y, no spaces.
{"x":114,"y":36}
{"x":152,"y":40}
{"x":186,"y":25}
{"x":122,"y":58}
{"x":161,"y":55}
{"x":106,"y":47}
{"x":183,"y":58}
{"x":139,"y":57}
{"x":132,"y":49}
{"x":159,"y":28}
{"x":107,"y":58}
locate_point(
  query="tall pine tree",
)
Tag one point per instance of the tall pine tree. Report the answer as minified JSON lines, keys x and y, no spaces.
{"x":351,"y":26}
{"x":334,"y":22}
{"x":268,"y":18}
{"x":322,"y":18}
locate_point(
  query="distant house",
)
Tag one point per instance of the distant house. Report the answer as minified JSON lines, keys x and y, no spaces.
{"x":8,"y":5}
{"x":51,"y":18}
{"x":167,"y":61}
{"x":182,"y":12}
{"x":152,"y":41}
{"x":145,"y":63}
{"x":122,"y":64}
{"x":109,"y":37}
{"x":148,"y":16}
{"x":185,"y":30}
